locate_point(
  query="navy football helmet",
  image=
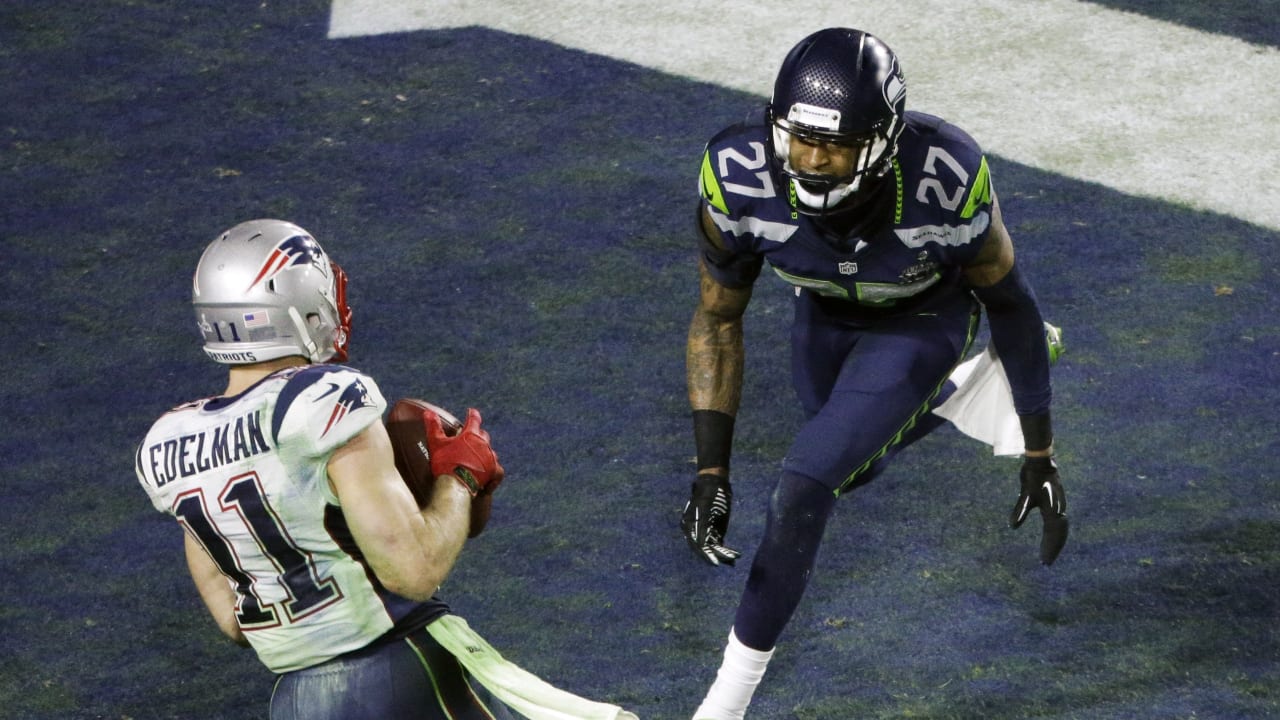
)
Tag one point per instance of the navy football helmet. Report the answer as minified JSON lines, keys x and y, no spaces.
{"x":844,"y":87}
{"x":265,"y":289}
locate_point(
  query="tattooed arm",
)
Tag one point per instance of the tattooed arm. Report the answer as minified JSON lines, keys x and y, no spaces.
{"x":714,"y":361}
{"x":714,"y":355}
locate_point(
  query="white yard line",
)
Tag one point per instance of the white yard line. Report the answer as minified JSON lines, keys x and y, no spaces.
{"x":1146,"y":107}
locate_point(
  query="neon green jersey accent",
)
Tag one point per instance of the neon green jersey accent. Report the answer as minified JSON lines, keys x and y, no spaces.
{"x":822,"y":287}
{"x":709,"y":186}
{"x":885,"y":294}
{"x":980,"y":193}
{"x":897,"y":181}
{"x":869,"y":293}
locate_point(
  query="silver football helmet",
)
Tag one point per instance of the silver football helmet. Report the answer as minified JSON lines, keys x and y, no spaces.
{"x":265,"y":289}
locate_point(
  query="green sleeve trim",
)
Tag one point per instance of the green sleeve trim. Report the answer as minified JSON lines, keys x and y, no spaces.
{"x":709,"y":185}
{"x":979,"y":193}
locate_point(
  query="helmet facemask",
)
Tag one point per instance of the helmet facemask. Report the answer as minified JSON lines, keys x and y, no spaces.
{"x":843,"y":88}
{"x":821,"y":193}
{"x":342,"y":331}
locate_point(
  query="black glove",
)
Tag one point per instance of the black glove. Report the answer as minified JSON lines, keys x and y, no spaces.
{"x":706,"y":519}
{"x":1041,"y":488}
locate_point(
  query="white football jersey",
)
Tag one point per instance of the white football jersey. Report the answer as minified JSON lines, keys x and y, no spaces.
{"x":246,"y":476}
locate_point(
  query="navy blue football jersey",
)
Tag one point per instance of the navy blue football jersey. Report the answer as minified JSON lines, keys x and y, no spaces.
{"x":929,"y":218}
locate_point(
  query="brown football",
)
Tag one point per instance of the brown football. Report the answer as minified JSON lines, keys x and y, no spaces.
{"x":413,"y":459}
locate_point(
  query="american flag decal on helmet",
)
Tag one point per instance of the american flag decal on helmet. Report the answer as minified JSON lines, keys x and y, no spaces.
{"x":291,"y":252}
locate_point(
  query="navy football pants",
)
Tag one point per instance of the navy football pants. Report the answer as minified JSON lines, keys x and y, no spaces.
{"x":406,"y":679}
{"x":866,"y":393}
{"x":864,"y":390}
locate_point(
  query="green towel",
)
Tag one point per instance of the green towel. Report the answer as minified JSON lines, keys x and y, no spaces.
{"x":520,"y":689}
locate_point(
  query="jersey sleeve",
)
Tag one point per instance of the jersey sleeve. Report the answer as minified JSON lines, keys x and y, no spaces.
{"x":148,"y":484}
{"x":976,"y":210}
{"x":158,"y":448}
{"x":322,"y":407}
{"x":733,"y":176}
{"x":947,"y":193}
{"x":730,"y":269}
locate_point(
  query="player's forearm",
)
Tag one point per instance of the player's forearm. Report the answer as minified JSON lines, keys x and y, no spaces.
{"x":440,"y":538}
{"x":1017,"y":332}
{"x":214,"y":590}
{"x":714,"y":361}
{"x":225,"y":615}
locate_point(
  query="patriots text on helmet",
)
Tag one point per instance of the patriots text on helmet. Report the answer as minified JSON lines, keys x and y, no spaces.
{"x":224,"y":356}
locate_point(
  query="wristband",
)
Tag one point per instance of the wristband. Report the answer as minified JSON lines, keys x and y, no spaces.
{"x":1037,"y":431}
{"x":709,"y":483}
{"x":713,"y":438}
{"x":1044,"y":464}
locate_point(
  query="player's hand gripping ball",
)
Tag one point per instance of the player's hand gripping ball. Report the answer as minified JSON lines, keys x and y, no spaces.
{"x":418,"y":429}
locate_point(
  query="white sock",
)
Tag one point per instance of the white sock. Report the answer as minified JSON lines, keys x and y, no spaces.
{"x":735,"y":682}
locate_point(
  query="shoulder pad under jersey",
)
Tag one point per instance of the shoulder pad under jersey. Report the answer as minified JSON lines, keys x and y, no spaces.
{"x":321,"y":407}
{"x":946,"y":190}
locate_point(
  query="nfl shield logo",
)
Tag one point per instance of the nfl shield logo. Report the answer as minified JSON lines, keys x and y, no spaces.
{"x":847,"y":268}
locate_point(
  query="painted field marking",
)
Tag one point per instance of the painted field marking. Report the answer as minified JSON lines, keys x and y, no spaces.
{"x":1143,"y":106}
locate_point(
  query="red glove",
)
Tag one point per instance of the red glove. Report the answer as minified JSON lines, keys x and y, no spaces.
{"x":466,"y":455}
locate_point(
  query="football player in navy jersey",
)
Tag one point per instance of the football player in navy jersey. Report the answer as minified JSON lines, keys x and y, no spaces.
{"x":302,"y":538}
{"x":887,"y":225}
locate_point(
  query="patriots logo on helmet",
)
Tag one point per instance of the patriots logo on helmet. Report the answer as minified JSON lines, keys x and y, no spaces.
{"x":291,"y":252}
{"x":354,"y":397}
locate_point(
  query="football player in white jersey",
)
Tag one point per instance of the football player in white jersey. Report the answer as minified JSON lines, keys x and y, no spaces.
{"x":302,"y":538}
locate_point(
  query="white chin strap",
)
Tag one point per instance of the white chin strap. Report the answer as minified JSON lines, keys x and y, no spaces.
{"x":824,"y":201}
